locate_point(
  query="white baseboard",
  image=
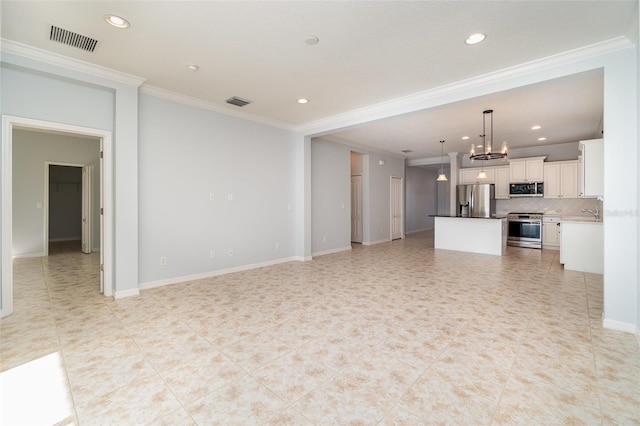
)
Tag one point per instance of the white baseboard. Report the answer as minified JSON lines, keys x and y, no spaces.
{"x":126,"y":293}
{"x":620,"y":326}
{"x":18,"y":256}
{"x":331,"y":251}
{"x":185,"y":278}
{"x":372,"y":243}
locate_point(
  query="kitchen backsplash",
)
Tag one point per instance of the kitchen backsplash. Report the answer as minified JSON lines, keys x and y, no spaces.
{"x":559,"y":206}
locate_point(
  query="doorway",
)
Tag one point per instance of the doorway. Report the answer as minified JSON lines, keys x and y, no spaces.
{"x":68,"y":208}
{"x":11,"y":125}
{"x":356,"y":198}
{"x":396,"y":203}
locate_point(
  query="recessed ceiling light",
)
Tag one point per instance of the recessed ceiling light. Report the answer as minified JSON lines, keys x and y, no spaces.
{"x":116,"y":21}
{"x":312,"y":40}
{"x":464,"y":138}
{"x":303,"y":101}
{"x":536,"y":127}
{"x":475,"y":38}
{"x":193,"y":67}
{"x":542,"y":139}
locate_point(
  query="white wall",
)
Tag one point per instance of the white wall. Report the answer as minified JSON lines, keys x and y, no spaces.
{"x":636,"y":35}
{"x":187,"y":153}
{"x":443,"y":196}
{"x":421,"y":198}
{"x":330,"y":196}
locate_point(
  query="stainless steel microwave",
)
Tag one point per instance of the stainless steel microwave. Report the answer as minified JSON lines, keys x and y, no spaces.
{"x":530,"y":189}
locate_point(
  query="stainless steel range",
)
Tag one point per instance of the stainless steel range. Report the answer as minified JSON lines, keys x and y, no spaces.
{"x":525,"y":230}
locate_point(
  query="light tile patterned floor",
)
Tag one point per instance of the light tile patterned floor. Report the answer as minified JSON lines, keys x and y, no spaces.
{"x":396,"y":333}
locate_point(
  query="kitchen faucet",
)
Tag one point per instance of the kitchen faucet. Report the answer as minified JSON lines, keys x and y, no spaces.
{"x":595,"y":212}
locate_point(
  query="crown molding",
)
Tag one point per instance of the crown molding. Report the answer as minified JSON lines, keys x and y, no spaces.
{"x":200,"y":103}
{"x":432,"y":97}
{"x":30,"y":52}
{"x":358,"y":147}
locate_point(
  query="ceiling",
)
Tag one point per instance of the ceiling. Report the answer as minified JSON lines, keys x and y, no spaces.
{"x":368,"y":53}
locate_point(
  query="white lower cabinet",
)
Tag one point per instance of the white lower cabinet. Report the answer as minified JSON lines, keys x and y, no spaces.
{"x":551,"y":232}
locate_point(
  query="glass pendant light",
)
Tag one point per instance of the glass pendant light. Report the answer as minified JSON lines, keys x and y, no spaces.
{"x":482,"y":174}
{"x":441,"y":176}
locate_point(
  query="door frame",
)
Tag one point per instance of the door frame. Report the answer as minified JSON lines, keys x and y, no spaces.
{"x":9,"y":123}
{"x":359,"y":200}
{"x":391,"y":178}
{"x":45,"y":204}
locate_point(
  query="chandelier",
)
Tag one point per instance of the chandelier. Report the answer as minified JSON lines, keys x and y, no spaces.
{"x":487,"y":146}
{"x":442,"y":177}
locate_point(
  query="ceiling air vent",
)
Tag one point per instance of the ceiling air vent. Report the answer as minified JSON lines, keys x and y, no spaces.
{"x":238,"y":101}
{"x":72,"y":39}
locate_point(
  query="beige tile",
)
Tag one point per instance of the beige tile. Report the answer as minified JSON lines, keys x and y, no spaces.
{"x":529,"y":400}
{"x":93,"y":380}
{"x":138,"y":403}
{"x":397,"y":333}
{"x":179,"y":417}
{"x":243,"y":401}
{"x":439,"y":401}
{"x":292,"y":376}
{"x":200,"y":376}
{"x":255,"y":350}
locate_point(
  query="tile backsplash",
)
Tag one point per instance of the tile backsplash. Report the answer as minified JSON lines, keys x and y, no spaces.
{"x":559,"y":206}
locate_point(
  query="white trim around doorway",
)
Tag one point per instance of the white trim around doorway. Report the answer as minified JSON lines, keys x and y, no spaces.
{"x":9,"y":123}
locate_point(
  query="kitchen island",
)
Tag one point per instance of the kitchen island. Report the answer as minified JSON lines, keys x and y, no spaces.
{"x":470,"y":234}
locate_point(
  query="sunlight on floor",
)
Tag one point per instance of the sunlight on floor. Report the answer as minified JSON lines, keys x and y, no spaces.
{"x":36,"y":393}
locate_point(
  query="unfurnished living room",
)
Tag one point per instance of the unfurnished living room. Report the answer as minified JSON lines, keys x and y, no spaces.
{"x":271,"y":212}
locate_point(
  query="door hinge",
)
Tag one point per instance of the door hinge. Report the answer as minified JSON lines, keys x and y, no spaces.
{"x":102,"y":267}
{"x":101,"y":154}
{"x":101,"y":210}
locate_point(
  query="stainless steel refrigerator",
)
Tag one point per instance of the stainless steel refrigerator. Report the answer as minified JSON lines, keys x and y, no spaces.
{"x":477,"y":200}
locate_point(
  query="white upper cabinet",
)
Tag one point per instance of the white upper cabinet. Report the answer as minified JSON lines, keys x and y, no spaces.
{"x":502,"y":183}
{"x":526,"y":170}
{"x":592,"y":173}
{"x":561,"y":179}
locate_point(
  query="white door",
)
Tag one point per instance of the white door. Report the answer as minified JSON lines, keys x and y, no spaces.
{"x":87,"y":182}
{"x":102,"y":245}
{"x":356,"y":209}
{"x":396,"y":208}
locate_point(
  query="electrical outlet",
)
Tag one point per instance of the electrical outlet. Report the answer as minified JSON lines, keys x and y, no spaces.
{"x":212,"y":254}
{"x":212,"y":196}
{"x":230,"y":196}
{"x":324,"y":238}
{"x":277,"y":246}
{"x":163,"y":261}
{"x":230,"y":252}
